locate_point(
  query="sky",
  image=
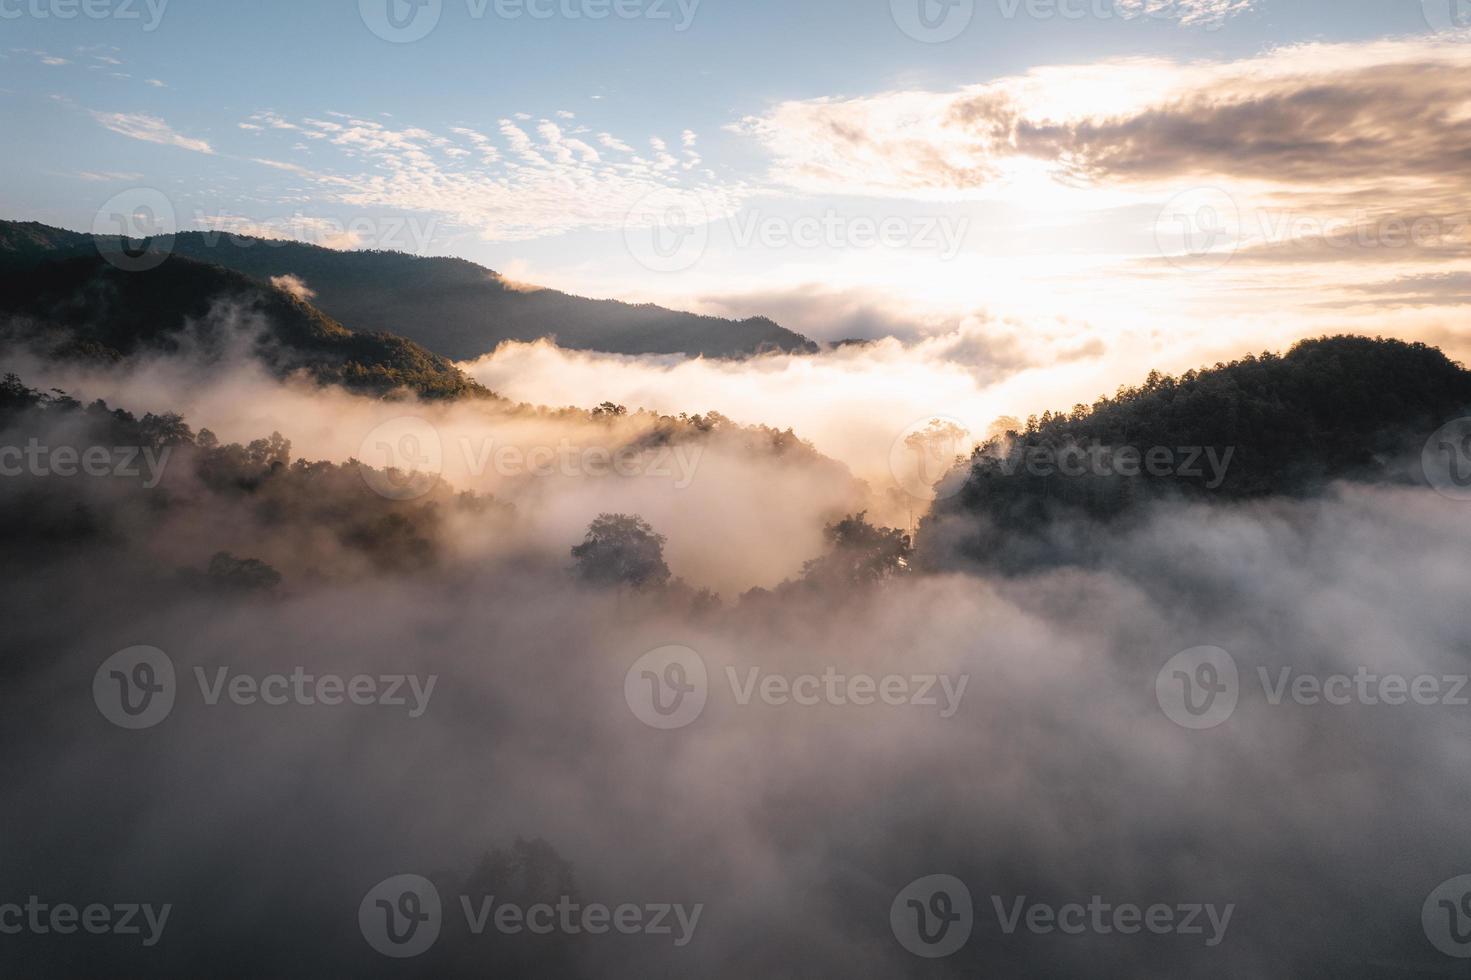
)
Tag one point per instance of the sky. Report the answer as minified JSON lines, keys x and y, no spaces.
{"x":1113,"y":183}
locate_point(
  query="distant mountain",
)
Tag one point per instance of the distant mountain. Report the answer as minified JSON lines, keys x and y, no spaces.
{"x":451,"y":306}
{"x":82,"y":306}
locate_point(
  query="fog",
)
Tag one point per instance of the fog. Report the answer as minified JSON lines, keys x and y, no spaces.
{"x":1057,"y":776}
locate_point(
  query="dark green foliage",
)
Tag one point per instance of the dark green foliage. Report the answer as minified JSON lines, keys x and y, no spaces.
{"x":85,"y":308}
{"x":1332,"y":408}
{"x":230,"y":574}
{"x":526,"y":874}
{"x":622,"y":549}
{"x":859,"y":554}
{"x":300,"y":516}
{"x":451,"y":306}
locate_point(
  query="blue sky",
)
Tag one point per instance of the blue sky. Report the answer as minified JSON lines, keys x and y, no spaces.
{"x":529,"y":145}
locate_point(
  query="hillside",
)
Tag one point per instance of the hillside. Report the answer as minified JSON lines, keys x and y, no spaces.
{"x":82,"y":306}
{"x":1330,"y":409}
{"x":451,"y":306}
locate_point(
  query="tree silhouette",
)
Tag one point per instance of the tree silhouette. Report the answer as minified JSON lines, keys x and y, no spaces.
{"x":622,"y":549}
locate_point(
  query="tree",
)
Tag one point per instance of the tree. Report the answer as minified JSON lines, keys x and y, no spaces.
{"x":230,"y":574}
{"x":622,"y":549}
{"x":860,"y":554}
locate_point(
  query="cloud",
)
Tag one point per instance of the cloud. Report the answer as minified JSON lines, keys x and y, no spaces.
{"x":1190,"y":13}
{"x":827,"y":314}
{"x":149,"y":129}
{"x":523,"y":183}
{"x":109,"y":175}
{"x":1386,"y":113}
{"x":294,"y":285}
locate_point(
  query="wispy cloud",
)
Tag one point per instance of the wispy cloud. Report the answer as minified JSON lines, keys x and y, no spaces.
{"x":149,"y":129}
{"x":1381,"y":114}
{"x":532,"y":179}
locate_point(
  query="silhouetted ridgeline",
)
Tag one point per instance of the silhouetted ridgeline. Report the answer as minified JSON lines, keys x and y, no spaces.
{"x":315,"y":520}
{"x":451,"y":306}
{"x":85,"y":307}
{"x":1330,"y":409}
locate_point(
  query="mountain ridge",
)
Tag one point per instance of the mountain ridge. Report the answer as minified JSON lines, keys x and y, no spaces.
{"x":451,"y":306}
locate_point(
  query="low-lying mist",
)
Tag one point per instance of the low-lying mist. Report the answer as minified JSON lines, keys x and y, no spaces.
{"x":1005,"y":731}
{"x":1058,"y":777}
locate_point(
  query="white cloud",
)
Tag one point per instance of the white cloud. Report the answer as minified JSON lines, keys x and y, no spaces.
{"x":519,"y":184}
{"x":1314,"y":109}
{"x":149,"y":129}
{"x":1209,"y":13}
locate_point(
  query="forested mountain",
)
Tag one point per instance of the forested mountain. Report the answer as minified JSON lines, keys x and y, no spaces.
{"x":82,"y":306}
{"x":1331,"y":408}
{"x":451,"y":306}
